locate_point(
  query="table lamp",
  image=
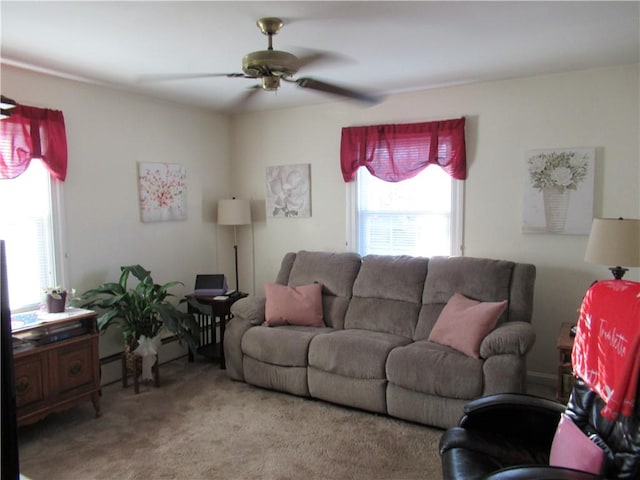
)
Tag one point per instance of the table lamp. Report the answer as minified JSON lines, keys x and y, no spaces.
{"x":234,"y":212}
{"x":614,"y":241}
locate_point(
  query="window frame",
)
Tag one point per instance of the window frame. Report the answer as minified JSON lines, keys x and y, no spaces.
{"x":57,"y":239}
{"x":456,"y":224}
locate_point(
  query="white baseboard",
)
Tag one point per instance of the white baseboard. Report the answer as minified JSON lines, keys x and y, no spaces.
{"x":542,"y":378}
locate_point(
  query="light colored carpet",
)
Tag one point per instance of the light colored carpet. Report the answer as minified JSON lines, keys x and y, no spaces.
{"x":201,"y":425}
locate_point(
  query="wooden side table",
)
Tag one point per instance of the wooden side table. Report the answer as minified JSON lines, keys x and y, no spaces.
{"x":565,"y":369}
{"x":62,"y":369}
{"x":220,"y":313}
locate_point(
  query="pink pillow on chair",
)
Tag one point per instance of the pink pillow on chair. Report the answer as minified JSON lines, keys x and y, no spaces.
{"x":571,"y":448}
{"x":293,"y":305}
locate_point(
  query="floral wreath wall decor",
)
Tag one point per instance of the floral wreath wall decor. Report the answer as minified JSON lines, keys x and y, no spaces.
{"x":558,"y":191}
{"x":163,"y":192}
{"x":289,"y":191}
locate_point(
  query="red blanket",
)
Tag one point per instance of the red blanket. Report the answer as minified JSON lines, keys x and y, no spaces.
{"x":606,"y":352}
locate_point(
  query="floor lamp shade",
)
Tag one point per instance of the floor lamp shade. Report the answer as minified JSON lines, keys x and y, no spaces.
{"x":234,"y":212}
{"x":614,"y":241}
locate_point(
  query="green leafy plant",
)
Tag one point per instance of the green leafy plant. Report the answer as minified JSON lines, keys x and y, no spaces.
{"x":141,"y":310}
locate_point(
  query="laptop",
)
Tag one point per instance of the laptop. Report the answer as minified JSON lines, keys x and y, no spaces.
{"x":210,"y":285}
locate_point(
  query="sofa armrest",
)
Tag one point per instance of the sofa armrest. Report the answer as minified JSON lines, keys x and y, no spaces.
{"x":538,"y":472}
{"x":249,"y":308}
{"x":515,"y":338}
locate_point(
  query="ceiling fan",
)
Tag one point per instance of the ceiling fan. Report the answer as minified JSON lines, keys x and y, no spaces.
{"x":271,"y":67}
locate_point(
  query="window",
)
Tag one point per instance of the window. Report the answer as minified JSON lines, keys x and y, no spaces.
{"x":401,"y":203}
{"x":421,"y":216}
{"x":30,"y":225}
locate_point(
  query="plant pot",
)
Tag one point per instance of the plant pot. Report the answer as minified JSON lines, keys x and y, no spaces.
{"x":56,"y":305}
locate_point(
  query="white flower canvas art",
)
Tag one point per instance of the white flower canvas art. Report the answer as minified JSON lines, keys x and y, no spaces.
{"x":289,"y":191}
{"x":163,"y":192}
{"x":558,"y":193}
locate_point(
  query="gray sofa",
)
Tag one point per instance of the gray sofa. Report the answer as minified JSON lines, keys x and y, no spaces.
{"x":373,"y":353}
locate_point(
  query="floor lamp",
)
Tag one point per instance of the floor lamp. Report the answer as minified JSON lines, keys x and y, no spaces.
{"x":234,"y":212}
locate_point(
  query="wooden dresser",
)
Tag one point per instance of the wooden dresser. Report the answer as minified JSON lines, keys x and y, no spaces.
{"x":59,"y":366}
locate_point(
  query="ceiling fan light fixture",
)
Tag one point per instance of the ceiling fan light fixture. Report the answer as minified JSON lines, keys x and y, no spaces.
{"x":270,"y":83}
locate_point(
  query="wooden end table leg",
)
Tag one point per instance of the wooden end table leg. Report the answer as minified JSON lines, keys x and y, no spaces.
{"x":124,"y":371}
{"x":156,"y":372}
{"x":223,"y":322}
{"x":95,"y":399}
{"x":136,"y":383}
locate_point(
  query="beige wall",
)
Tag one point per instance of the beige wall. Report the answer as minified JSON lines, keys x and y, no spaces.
{"x":594,"y":108}
{"x":109,"y":131}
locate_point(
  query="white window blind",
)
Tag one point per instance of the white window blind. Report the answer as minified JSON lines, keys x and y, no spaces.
{"x":418,"y":216}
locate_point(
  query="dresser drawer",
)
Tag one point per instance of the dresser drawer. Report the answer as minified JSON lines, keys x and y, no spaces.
{"x":30,"y":381}
{"x":72,"y":368}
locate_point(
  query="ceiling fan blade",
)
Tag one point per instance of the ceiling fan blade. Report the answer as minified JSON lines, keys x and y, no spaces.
{"x":247,"y":96}
{"x":361,"y":96}
{"x":317,"y":57}
{"x":186,"y":76}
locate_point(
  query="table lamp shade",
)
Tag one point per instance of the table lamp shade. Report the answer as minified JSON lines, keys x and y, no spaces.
{"x":234,"y":212}
{"x":614,"y":241}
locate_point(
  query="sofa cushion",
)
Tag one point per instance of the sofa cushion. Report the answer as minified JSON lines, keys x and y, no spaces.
{"x":435,"y":369}
{"x":287,"y":345}
{"x":293,"y":305}
{"x":353,"y":353}
{"x":336,"y":272}
{"x":276,"y":377}
{"x":464,"y":322}
{"x":482,"y":279}
{"x":387,"y":294}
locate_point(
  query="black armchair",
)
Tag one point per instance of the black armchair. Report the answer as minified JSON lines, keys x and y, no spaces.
{"x":505,"y":436}
{"x":509,"y":436}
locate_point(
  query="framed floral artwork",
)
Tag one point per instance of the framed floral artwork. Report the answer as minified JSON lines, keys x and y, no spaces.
{"x":163,"y":192}
{"x":289,"y":191}
{"x":558,"y":193}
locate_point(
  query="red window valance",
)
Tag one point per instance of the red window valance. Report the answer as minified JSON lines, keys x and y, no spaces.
{"x":29,"y":133}
{"x":397,"y":152}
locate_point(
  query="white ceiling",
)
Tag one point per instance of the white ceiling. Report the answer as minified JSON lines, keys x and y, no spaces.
{"x":385,"y":47}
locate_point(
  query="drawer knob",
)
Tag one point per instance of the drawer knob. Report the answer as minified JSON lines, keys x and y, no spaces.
{"x":75,"y":368}
{"x":22,"y":385}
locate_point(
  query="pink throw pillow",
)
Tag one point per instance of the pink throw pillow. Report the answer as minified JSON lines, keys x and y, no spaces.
{"x":464,"y":322}
{"x":571,"y":448}
{"x":293,"y":305}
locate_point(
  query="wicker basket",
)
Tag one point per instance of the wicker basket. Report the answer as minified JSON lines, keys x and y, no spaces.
{"x":133,"y":362}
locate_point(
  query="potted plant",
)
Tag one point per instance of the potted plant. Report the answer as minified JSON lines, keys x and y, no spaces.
{"x":55,"y":299}
{"x":140,"y":312}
